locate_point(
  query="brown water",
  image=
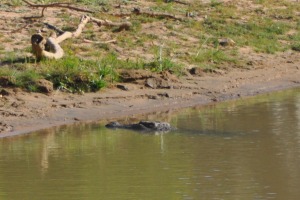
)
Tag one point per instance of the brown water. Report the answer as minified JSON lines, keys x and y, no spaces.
{"x":247,"y":149}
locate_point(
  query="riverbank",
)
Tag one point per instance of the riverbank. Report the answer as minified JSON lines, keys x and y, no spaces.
{"x":171,"y":55}
{"x":22,"y":112}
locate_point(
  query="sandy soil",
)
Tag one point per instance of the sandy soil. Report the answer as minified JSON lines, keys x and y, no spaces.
{"x":23,"y":112}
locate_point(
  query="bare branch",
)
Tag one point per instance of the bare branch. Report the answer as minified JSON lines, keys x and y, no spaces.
{"x":138,"y":11}
{"x":84,"y":20}
{"x":121,"y":25}
{"x":99,"y":42}
{"x":59,"y":5}
{"x":177,"y":1}
{"x":50,"y":26}
{"x":50,"y":48}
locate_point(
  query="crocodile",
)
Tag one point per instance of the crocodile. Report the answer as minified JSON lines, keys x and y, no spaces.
{"x":142,"y":126}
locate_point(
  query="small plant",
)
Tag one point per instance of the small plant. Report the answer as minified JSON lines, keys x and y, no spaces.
{"x":162,"y":62}
{"x":260,"y":1}
{"x":9,"y":57}
{"x":16,"y":78}
{"x":296,"y":47}
{"x":27,"y":80}
{"x":213,"y":57}
{"x":14,"y":2}
{"x":93,"y":2}
{"x":215,"y":3}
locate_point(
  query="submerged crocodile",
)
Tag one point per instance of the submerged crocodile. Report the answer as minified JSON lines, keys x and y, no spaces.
{"x":142,"y":126}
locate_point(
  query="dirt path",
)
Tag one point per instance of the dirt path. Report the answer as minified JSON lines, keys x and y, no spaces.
{"x":23,"y":112}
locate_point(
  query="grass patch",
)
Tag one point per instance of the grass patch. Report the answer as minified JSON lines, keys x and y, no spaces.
{"x":296,"y":47}
{"x":213,"y":57}
{"x":164,"y":64}
{"x":77,"y":75}
{"x":262,"y":35}
{"x":21,"y":78}
{"x":295,"y":40}
{"x":70,"y":73}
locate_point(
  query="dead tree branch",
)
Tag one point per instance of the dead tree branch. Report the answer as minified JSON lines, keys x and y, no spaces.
{"x":138,"y":11}
{"x":58,"y":5}
{"x":52,"y":27}
{"x":120,"y":25}
{"x":99,"y":42}
{"x":50,"y":48}
{"x":177,"y":1}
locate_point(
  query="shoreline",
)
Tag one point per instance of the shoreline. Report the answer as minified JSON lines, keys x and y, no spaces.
{"x":24,"y":112}
{"x":252,"y":58}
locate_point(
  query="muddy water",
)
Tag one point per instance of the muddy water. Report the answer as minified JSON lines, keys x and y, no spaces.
{"x":246,"y":149}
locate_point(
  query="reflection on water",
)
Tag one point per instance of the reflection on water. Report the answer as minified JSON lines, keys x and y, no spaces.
{"x":248,"y":149}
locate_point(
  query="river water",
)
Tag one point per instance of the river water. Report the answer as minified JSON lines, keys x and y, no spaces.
{"x":245,"y":149}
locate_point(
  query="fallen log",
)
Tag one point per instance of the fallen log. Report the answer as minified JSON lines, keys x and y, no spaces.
{"x":138,"y":11}
{"x":121,"y":25}
{"x":50,"y":48}
{"x":100,"y":42}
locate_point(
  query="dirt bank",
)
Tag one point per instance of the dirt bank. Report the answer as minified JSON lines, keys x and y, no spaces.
{"x":23,"y":112}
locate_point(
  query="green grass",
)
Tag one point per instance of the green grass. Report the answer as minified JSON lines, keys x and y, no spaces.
{"x":296,"y":47}
{"x":24,"y":79}
{"x":263,"y":35}
{"x":71,"y":73}
{"x":212,"y":56}
{"x":77,"y":75}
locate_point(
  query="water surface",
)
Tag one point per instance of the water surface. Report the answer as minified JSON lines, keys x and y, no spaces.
{"x":246,"y":149}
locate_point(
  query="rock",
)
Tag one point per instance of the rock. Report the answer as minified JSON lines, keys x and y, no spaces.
{"x":127,"y":87}
{"x":215,"y":71}
{"x":113,"y":125}
{"x":5,"y":92}
{"x":197,"y":71}
{"x":142,"y":126}
{"x":226,"y":42}
{"x":169,"y":77}
{"x":6,"y":81}
{"x":17,"y":90}
{"x":122,"y":87}
{"x":133,"y":75}
{"x":44,"y":86}
{"x":164,"y":94}
{"x":151,"y":82}
{"x":186,"y":72}
{"x":5,"y":127}
{"x":296,"y":48}
{"x":157,"y":82}
{"x":154,"y":97}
